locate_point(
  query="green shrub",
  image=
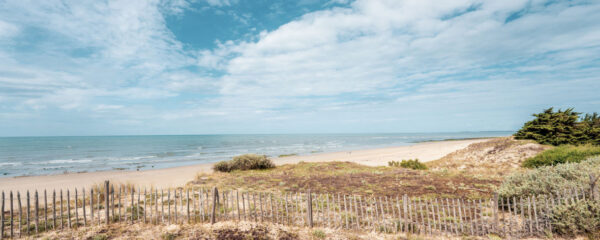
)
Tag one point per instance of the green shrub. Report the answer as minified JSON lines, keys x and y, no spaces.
{"x":412,"y":164}
{"x":244,"y":162}
{"x":562,"y":154}
{"x":561,"y":127}
{"x":549,"y":179}
{"x":222,"y":166}
{"x":582,"y":217}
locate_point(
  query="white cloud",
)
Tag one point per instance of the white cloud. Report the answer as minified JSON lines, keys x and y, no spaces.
{"x":344,"y":63}
{"x":376,"y":46}
{"x":130,"y":35}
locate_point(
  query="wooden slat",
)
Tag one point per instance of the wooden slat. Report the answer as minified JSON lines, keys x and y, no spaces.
{"x":76,"y":212}
{"x":119,"y":202}
{"x":162,"y":206}
{"x":20,"y":214}
{"x":12,"y":224}
{"x":481,"y":220}
{"x":2,"y":218}
{"x":68,"y":210}
{"x":529,"y":215}
{"x":214,"y":206}
{"x":112,"y":202}
{"x":92,"y":206}
{"x":287,"y":215}
{"x":84,"y":212}
{"x":535,"y":215}
{"x":62,"y":222}
{"x":106,"y":201}
{"x":37,"y":217}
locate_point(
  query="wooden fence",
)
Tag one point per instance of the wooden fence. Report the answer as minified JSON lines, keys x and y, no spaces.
{"x":38,"y":211}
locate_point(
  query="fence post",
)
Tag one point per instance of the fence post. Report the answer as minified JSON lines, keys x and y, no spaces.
{"x":593,"y":188}
{"x":37,"y":212}
{"x":106,"y":201}
{"x":214,"y":205}
{"x":11,"y":216}
{"x":309,"y":208}
{"x":2,"y":218}
{"x":495,"y":210}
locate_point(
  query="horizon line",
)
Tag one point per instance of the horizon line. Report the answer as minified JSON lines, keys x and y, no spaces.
{"x":217,"y":134}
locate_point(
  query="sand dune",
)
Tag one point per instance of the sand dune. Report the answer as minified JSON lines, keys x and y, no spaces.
{"x":172,"y":177}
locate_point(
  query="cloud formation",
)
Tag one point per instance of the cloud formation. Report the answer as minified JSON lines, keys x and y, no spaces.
{"x":371,"y":65}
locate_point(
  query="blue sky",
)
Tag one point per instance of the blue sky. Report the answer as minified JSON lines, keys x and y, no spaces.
{"x":309,"y":66}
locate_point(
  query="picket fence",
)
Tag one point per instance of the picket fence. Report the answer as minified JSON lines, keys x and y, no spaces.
{"x":507,"y":217}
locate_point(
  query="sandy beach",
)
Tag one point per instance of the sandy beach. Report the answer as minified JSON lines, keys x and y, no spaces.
{"x":173,"y":177}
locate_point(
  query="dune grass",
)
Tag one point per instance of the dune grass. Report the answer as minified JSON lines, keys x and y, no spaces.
{"x":350,"y":178}
{"x":562,"y":154}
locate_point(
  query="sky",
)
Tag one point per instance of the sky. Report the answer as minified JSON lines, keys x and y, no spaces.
{"x":254,"y":66}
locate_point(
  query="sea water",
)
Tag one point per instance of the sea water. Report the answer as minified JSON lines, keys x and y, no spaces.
{"x":20,"y":156}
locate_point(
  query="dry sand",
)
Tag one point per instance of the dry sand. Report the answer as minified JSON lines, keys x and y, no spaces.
{"x":178,"y":176}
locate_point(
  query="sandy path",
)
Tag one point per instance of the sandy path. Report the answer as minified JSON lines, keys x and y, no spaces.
{"x":171,"y":177}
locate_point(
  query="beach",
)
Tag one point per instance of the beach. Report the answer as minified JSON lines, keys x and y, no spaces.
{"x":178,"y":176}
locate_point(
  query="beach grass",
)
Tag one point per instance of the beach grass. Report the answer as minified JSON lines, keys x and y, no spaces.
{"x":350,"y":178}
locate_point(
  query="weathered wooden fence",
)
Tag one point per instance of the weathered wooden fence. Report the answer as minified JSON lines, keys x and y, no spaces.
{"x":37,"y":211}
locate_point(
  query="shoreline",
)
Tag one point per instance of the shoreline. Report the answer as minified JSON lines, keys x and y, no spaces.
{"x":178,"y":176}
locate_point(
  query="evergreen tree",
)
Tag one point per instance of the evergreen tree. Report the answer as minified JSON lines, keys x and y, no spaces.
{"x":561,"y":127}
{"x":591,"y":128}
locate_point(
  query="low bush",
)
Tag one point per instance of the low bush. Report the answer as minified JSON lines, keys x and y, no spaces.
{"x":244,"y":162}
{"x":549,"y":179}
{"x":562,"y":154}
{"x":582,"y":217}
{"x":410,"y":163}
{"x":222,"y":166}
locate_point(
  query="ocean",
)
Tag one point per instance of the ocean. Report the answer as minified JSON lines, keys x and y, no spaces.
{"x":25,"y":156}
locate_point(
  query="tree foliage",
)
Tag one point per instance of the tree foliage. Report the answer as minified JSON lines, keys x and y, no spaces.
{"x":562,"y":127}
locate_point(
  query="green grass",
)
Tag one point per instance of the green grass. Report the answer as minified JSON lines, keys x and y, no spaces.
{"x":410,"y":163}
{"x":562,"y":154}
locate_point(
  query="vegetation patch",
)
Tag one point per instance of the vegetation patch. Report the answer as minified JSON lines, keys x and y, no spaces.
{"x":494,"y":158}
{"x":410,"y":163}
{"x":562,"y":154}
{"x":582,"y":217}
{"x":562,"y":127}
{"x":550,"y":179}
{"x":351,"y":178}
{"x":413,"y":164}
{"x":245,"y":162}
